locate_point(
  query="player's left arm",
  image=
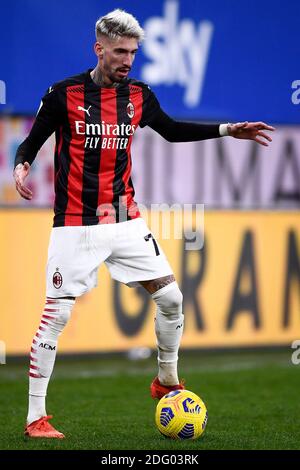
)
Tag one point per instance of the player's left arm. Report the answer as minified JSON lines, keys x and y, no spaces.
{"x":251,"y":131}
{"x":181,"y":131}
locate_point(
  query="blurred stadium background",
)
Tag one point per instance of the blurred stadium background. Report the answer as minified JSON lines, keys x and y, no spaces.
{"x":211,"y":61}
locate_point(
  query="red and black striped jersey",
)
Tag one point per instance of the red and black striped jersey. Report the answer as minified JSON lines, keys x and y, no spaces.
{"x":94,"y":127}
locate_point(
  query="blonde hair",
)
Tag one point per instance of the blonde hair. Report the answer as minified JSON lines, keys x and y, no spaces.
{"x":119,"y":23}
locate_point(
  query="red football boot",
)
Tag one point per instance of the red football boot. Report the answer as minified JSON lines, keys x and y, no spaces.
{"x":158,"y":390}
{"x":42,"y":428}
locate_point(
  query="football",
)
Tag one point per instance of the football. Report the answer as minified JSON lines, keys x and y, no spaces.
{"x":181,"y":414}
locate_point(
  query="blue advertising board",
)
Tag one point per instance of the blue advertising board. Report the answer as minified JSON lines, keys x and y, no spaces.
{"x":208,"y":60}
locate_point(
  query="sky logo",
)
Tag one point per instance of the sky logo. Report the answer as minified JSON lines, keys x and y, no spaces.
{"x":2,"y":92}
{"x":178,"y":50}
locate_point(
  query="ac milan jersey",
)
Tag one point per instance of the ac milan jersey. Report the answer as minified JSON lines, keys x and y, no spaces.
{"x":94,"y":127}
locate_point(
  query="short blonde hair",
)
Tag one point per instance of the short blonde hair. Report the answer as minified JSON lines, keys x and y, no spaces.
{"x":119,"y":23}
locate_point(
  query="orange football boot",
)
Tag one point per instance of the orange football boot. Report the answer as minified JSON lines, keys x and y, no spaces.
{"x":158,"y":390}
{"x":42,"y":428}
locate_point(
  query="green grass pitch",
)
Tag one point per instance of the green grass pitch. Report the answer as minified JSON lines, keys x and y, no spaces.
{"x":104,"y":403}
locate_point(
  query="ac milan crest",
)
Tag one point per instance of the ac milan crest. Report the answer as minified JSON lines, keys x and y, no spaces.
{"x":57,"y":280}
{"x":130,"y":110}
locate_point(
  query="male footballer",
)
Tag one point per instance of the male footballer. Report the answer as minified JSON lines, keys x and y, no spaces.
{"x":94,"y":116}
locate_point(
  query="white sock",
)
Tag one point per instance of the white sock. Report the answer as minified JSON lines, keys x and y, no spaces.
{"x":168,"y":328}
{"x":43,"y":352}
{"x":36,"y":408}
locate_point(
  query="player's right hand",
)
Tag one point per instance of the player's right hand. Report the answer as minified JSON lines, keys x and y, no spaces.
{"x":20,"y":173}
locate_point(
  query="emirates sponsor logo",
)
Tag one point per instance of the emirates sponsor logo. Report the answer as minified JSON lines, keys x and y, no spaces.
{"x":114,"y":143}
{"x":104,"y":129}
{"x":106,"y":136}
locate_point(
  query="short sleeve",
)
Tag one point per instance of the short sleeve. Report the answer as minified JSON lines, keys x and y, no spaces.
{"x":150,"y":107}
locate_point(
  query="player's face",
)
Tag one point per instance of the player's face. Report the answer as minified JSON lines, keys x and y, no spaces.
{"x":116,"y":57}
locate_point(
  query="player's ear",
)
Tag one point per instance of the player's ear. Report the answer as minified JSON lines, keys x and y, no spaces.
{"x":98,"y":48}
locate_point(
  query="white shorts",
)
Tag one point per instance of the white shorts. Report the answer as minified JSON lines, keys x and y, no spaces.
{"x":76,"y":252}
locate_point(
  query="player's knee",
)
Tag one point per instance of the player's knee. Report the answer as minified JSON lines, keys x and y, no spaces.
{"x":63,"y":317}
{"x":169,"y":299}
{"x":173,"y":298}
{"x":63,"y":309}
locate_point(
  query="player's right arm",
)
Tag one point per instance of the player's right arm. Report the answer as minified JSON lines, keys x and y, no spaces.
{"x":21,"y":172}
{"x":46,"y":121}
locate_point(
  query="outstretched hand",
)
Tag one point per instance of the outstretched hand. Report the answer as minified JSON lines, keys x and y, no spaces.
{"x":251,"y":131}
{"x":20,"y":174}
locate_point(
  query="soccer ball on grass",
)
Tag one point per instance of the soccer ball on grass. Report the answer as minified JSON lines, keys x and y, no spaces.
{"x":181,"y":414}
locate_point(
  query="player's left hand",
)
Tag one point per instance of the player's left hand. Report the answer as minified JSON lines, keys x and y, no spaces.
{"x":251,"y":131}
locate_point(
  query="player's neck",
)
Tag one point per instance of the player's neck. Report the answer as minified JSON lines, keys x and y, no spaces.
{"x":98,"y":79}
